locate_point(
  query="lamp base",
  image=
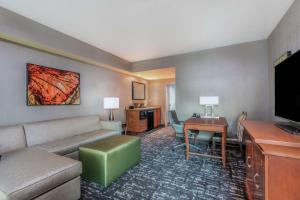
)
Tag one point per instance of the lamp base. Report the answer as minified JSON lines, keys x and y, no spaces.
{"x":111,"y":116}
{"x":210,"y":114}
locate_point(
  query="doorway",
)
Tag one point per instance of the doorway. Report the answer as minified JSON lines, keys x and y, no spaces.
{"x":170,"y":100}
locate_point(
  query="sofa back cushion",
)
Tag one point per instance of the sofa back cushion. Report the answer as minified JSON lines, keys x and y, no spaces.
{"x":11,"y":138}
{"x":48,"y":131}
{"x":86,"y":124}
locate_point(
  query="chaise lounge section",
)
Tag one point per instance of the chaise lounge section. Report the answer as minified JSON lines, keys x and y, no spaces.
{"x":36,"y":158}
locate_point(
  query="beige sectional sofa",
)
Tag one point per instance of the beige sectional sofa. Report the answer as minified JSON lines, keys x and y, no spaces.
{"x":39,"y":159}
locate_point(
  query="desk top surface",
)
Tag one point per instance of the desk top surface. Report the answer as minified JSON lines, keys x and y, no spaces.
{"x":284,"y":151}
{"x":268,"y":133}
{"x":207,"y":121}
{"x":272,"y":139}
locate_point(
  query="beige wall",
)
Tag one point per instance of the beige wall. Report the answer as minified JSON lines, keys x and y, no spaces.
{"x":157,"y":95}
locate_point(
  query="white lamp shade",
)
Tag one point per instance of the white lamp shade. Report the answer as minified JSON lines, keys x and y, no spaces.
{"x":111,"y":102}
{"x":209,"y":100}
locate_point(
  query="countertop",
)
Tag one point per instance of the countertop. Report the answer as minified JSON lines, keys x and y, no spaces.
{"x":146,"y":108}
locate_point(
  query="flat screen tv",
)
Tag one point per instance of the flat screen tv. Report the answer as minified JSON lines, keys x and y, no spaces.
{"x":287,"y":88}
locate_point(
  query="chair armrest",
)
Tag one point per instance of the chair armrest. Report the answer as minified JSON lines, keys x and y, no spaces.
{"x":178,"y":128}
{"x":112,"y":125}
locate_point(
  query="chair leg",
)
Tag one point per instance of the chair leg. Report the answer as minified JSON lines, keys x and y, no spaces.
{"x":241,"y":149}
{"x":195,"y":138}
{"x":208,"y":147}
{"x":183,"y":144}
{"x":190,"y":145}
{"x":195,"y":147}
{"x":213,"y":146}
{"x":177,"y":146}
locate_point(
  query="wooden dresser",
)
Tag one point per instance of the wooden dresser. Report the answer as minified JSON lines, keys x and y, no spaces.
{"x":272,"y":162}
{"x":137,"y":119}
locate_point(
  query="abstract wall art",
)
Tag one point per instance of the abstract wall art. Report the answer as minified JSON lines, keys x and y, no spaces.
{"x":50,"y":86}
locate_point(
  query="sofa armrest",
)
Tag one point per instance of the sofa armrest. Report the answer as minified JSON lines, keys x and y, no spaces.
{"x":112,"y":125}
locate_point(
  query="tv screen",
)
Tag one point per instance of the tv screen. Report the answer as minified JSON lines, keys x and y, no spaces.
{"x":287,"y":88}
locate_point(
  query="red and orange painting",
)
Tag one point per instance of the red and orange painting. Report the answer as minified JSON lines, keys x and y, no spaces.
{"x":49,"y":86}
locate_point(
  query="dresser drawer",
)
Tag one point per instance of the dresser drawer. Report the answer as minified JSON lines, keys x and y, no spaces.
{"x":249,"y":165}
{"x":258,"y":173}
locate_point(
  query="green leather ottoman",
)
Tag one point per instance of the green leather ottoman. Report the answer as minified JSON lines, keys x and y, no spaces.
{"x":107,"y":159}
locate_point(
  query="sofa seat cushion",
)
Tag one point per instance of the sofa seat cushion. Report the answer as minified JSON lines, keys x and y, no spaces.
{"x":71,"y":144}
{"x":30,"y":172}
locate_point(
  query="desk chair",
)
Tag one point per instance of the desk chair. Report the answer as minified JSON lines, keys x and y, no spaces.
{"x":234,"y":139}
{"x":178,"y":126}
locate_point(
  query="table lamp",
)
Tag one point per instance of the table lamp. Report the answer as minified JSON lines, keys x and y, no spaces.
{"x":209,"y":101}
{"x":111,"y":103}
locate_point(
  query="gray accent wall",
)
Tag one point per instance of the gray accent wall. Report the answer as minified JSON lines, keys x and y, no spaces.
{"x":157,"y":63}
{"x":24,"y":28}
{"x":285,"y":37}
{"x":238,"y":74}
{"x":242,"y":75}
{"x":96,"y":82}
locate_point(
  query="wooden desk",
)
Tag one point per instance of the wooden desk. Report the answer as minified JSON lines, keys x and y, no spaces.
{"x":210,"y":125}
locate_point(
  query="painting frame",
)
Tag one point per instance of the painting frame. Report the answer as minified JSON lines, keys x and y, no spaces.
{"x":76,"y":90}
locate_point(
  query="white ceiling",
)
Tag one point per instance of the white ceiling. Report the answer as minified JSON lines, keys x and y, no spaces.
{"x":142,"y":29}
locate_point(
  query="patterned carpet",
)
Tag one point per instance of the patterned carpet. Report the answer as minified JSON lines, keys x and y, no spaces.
{"x":163,"y":173}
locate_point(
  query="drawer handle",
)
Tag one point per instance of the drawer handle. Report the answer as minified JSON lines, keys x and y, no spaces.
{"x":248,"y":161}
{"x":256,"y":176}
